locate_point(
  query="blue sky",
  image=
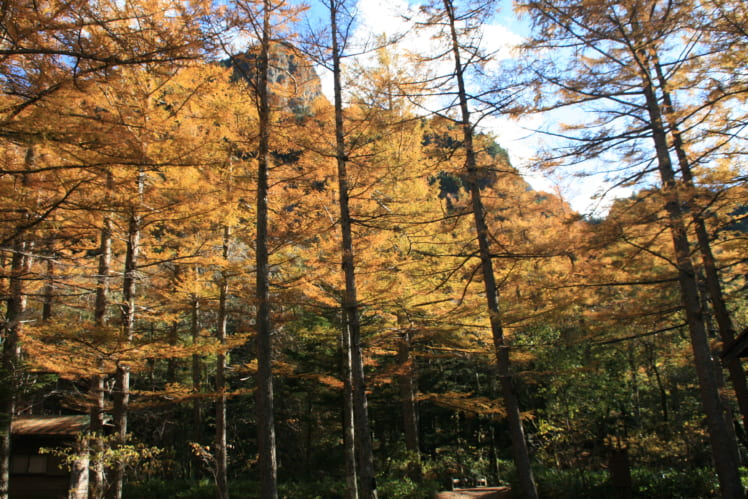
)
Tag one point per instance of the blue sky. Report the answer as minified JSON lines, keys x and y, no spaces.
{"x":383,"y":16}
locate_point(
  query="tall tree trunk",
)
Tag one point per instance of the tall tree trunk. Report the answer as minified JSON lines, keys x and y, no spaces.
{"x":221,"y":456}
{"x":9,"y":335}
{"x":265,"y":417}
{"x":196,"y":358}
{"x":121,"y":392}
{"x":49,"y":286}
{"x":635,"y":392}
{"x":514,"y":418}
{"x":650,"y":353}
{"x":407,"y":384}
{"x":11,"y":356}
{"x":172,"y":364}
{"x":349,"y":430}
{"x":713,"y":283}
{"x":197,"y":409}
{"x":96,"y":477}
{"x":366,"y":475}
{"x":724,"y":448}
{"x":406,"y":380}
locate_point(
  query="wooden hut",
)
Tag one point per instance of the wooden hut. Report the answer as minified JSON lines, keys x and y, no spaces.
{"x":34,"y":475}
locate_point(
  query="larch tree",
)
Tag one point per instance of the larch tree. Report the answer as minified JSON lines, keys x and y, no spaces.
{"x":331,"y":53}
{"x":397,"y":208}
{"x":97,"y":389}
{"x":52,"y":46}
{"x":323,"y":285}
{"x":698,"y":201}
{"x":163,"y":145}
{"x":211,"y":114}
{"x":32,"y":197}
{"x":133,"y":109}
{"x":15,"y":305}
{"x":267,"y":23}
{"x":352,"y":342}
{"x":180,"y":226}
{"x":233,"y":108}
{"x":459,"y":29}
{"x":610,"y":67}
{"x":264,"y":378}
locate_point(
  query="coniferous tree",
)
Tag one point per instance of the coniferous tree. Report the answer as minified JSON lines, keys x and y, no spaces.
{"x":460,"y":33}
{"x":623,"y":41}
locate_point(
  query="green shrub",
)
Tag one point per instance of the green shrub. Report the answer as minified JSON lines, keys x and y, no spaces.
{"x":572,"y":483}
{"x":646,"y":483}
{"x":178,"y":489}
{"x":324,"y":488}
{"x":658,"y":484}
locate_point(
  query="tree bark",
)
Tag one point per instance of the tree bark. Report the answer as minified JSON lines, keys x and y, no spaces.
{"x":197,"y":409}
{"x":221,"y":455}
{"x":406,"y":380}
{"x":349,"y":429}
{"x":514,"y":418}
{"x":121,"y":392}
{"x":48,"y":293}
{"x":96,"y":479}
{"x":265,"y":422}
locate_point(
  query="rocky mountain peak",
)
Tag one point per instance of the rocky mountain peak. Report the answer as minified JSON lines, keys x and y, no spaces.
{"x":291,"y":73}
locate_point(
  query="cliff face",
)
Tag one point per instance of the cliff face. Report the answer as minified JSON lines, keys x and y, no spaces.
{"x":292,"y":78}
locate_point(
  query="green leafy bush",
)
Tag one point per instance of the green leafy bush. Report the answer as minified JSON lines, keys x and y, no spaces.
{"x":658,"y":484}
{"x":572,"y":483}
{"x":178,"y":489}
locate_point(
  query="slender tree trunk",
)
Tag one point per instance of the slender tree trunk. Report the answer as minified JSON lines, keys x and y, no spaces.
{"x":724,"y":448}
{"x":634,"y":381}
{"x":349,"y":430}
{"x":265,"y":421}
{"x":121,"y":392}
{"x":197,"y":409}
{"x":494,"y":454}
{"x":365,"y":457}
{"x":406,"y":380}
{"x":221,"y":456}
{"x":650,"y":352}
{"x":514,"y":418}
{"x":11,"y":356}
{"x":172,"y":363}
{"x":407,"y":383}
{"x":49,"y":287}
{"x":104,"y":271}
{"x":713,"y":283}
{"x":10,"y":368}
{"x":96,"y":477}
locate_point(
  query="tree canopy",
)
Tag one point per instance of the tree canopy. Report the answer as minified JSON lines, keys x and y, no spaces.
{"x":256,"y":288}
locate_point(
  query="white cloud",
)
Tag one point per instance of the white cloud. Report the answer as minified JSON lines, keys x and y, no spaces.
{"x":500,"y":41}
{"x":383,"y":16}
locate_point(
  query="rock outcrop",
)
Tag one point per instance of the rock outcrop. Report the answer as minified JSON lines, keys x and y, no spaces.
{"x":292,"y":78}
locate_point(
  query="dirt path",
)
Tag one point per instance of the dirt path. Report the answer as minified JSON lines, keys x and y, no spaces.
{"x":481,"y":492}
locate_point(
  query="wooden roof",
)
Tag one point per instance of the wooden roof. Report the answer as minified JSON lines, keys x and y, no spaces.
{"x":49,"y":425}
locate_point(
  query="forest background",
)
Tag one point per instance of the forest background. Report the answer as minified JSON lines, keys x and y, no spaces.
{"x":255,"y":288}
